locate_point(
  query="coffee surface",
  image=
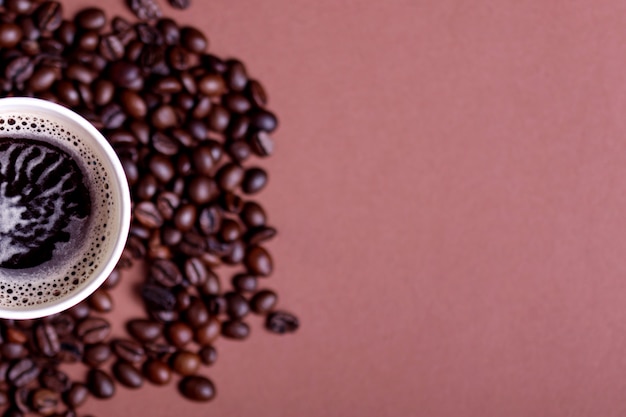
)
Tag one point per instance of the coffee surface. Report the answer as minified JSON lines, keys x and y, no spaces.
{"x":43,"y":201}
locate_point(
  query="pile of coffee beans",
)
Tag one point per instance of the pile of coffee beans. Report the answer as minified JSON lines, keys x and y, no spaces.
{"x":185,"y":124}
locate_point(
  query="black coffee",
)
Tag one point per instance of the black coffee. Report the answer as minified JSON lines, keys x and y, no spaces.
{"x":43,"y":201}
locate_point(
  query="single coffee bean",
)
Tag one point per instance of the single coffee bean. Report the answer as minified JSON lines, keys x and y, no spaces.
{"x":230,"y":176}
{"x":258,"y":261}
{"x":47,"y":339}
{"x":171,"y":236}
{"x":210,"y":220}
{"x":88,"y":42}
{"x":254,"y":180}
{"x":185,"y":363}
{"x":185,"y":217}
{"x":203,"y":160}
{"x":71,"y":350}
{"x":90,"y":18}
{"x":128,"y":350}
{"x":157,"y":372}
{"x":261,"y":143}
{"x":169,"y":28}
{"x":63,"y":324}
{"x":202,"y":108}
{"x":192,"y":244}
{"x":166,"y":273}
{"x":22,"y":372}
{"x":164,"y":144}
{"x":281,"y":322}
{"x":55,"y":380}
{"x":76,"y":395}
{"x":256,"y":93}
{"x":158,"y":297}
{"x":219,"y":118}
{"x":230,"y":230}
{"x":179,"y":334}
{"x":10,"y":35}
{"x":124,"y":73}
{"x":100,"y":384}
{"x":236,"y":102}
{"x":212,"y":85}
{"x":197,"y":388}
{"x":239,"y":150}
{"x":147,"y":214}
{"x":147,"y":187}
{"x":96,"y":354}
{"x":197,"y":128}
{"x":211,"y":286}
{"x":19,"y":69}
{"x":235,"y":329}
{"x":183,"y":298}
{"x":237,"y":305}
{"x":180,"y":4}
{"x":164,"y":316}
{"x":144,"y":330}
{"x":164,"y":117}
{"x":127,"y":374}
{"x":167,"y":203}
{"x":195,"y":271}
{"x":30,"y":30}
{"x":264,"y":301}
{"x":93,"y":330}
{"x":178,"y":58}
{"x":208,"y":332}
{"x":162,"y":168}
{"x":15,"y":335}
{"x":18,"y":6}
{"x":244,"y":282}
{"x":231,"y":202}
{"x":44,"y":401}
{"x":208,"y":355}
{"x":253,"y":215}
{"x":196,"y":313}
{"x":133,"y":104}
{"x":259,"y":235}
{"x":193,"y":40}
{"x":145,"y":9}
{"x":264,"y":120}
{"x":236,"y":76}
{"x":101,"y":301}
{"x":12,"y":351}
{"x":103,"y":91}
{"x":236,"y":254}
{"x":202,"y":189}
{"x":48,"y":16}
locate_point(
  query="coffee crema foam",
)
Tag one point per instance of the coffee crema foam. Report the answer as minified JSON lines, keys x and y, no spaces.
{"x":76,"y":256}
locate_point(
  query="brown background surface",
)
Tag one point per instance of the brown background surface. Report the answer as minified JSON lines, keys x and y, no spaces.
{"x":449,"y":190}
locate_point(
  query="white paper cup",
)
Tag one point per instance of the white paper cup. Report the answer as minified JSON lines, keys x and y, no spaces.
{"x":80,"y":264}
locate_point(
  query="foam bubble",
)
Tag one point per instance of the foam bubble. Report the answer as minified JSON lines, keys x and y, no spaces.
{"x":86,"y":250}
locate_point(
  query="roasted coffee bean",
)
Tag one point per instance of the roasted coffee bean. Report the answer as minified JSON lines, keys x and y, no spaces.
{"x":258,"y":261}
{"x":236,"y":76}
{"x":147,"y":187}
{"x":237,"y":305}
{"x":90,"y":18}
{"x":147,"y":214}
{"x":230,"y":176}
{"x":29,"y":29}
{"x":112,"y":116}
{"x":179,"y":4}
{"x":197,"y":388}
{"x":19,"y":69}
{"x":103,"y":91}
{"x":202,"y":189}
{"x":164,"y":144}
{"x":96,"y":354}
{"x":133,"y":104}
{"x":179,"y":334}
{"x":253,"y":215}
{"x":100,"y":384}
{"x":178,"y":58}
{"x":202,"y":109}
{"x":164,"y":316}
{"x":145,"y":9}
{"x":185,"y":363}
{"x":203,"y":160}
{"x":256,"y":93}
{"x":164,"y":117}
{"x":10,"y":35}
{"x":166,"y":273}
{"x":208,"y":355}
{"x":263,"y":301}
{"x":197,"y":129}
{"x":193,"y":40}
{"x":157,"y":372}
{"x":101,"y":301}
{"x":169,"y":29}
{"x":148,"y":34}
{"x":230,"y":230}
{"x":124,"y":73}
{"x":71,"y":350}
{"x":158,"y":297}
{"x":183,"y":298}
{"x":22,"y":372}
{"x":55,"y":380}
{"x":213,"y":63}
{"x":162,"y":168}
{"x":21,"y":399}
{"x":196,"y":313}
{"x":218,"y":247}
{"x":239,"y":150}
{"x":260,"y":234}
{"x":185,"y":217}
{"x":13,"y":351}
{"x":167,"y":203}
{"x":261,"y":144}
{"x":236,"y":253}
{"x":66,"y":33}
{"x":210,"y":220}
{"x":281,"y":322}
{"x":192,"y":244}
{"x":236,"y":102}
{"x":211,"y":286}
{"x":235,"y":329}
{"x":48,"y":16}
{"x":208,"y":332}
{"x":167,"y":85}
{"x":158,"y":350}
{"x":171,"y":236}
{"x":144,"y":330}
{"x":93,"y":330}
{"x":47,"y":339}
{"x":254,"y":180}
{"x":44,"y":401}
{"x":76,"y":395}
{"x":127,"y":374}
{"x":128,"y":350}
{"x":15,"y":335}
{"x":218,"y":119}
{"x":63,"y":324}
{"x":195,"y":271}
{"x":244,"y":282}
{"x":42,"y":79}
{"x":111,"y":47}
{"x":88,"y":42}
{"x":264,"y":120}
{"x":231,"y":202}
